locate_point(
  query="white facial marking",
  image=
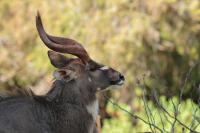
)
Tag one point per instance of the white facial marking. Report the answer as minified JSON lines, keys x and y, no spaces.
{"x":121,"y":82}
{"x":56,"y":75}
{"x":90,"y":80}
{"x":104,"y":68}
{"x":93,"y":109}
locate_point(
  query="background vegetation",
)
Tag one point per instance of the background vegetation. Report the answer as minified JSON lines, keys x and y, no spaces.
{"x":153,"y":42}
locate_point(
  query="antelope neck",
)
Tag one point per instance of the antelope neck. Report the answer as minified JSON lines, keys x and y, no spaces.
{"x":83,"y":96}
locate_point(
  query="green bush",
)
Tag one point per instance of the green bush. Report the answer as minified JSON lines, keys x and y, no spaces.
{"x":188,"y":114}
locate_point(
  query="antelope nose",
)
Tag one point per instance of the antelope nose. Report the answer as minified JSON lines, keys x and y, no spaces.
{"x":121,"y":77}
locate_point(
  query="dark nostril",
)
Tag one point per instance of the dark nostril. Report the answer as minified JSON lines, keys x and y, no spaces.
{"x":121,"y":77}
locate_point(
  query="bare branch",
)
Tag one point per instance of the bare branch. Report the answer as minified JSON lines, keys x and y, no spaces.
{"x":147,"y":110}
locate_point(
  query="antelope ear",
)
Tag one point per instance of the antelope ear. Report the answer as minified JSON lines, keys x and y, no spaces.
{"x":58,"y":60}
{"x":65,"y":74}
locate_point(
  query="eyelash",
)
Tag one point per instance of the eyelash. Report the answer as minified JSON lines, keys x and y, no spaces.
{"x":93,"y":69}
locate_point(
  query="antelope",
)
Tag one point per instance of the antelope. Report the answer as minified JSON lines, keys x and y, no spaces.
{"x":71,"y":105}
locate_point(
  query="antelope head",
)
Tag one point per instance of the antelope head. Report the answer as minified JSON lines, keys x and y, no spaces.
{"x":82,"y":70}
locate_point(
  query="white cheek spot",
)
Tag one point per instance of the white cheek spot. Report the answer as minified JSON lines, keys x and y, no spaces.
{"x":121,"y":82}
{"x":93,"y":109}
{"x":104,"y":68}
{"x":56,"y":75}
{"x":90,"y":80}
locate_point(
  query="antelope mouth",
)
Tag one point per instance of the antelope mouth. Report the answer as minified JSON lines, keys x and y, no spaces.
{"x":118,"y":82}
{"x":121,"y":82}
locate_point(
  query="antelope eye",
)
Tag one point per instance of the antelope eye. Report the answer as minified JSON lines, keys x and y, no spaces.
{"x":93,"y":69}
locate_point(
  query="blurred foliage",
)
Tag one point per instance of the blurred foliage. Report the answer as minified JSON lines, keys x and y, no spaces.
{"x":154,"y":40}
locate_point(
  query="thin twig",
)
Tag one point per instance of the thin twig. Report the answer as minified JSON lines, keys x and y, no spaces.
{"x":147,"y":110}
{"x":159,"y":106}
{"x":162,"y":123}
{"x":185,"y":82}
{"x":175,"y":116}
